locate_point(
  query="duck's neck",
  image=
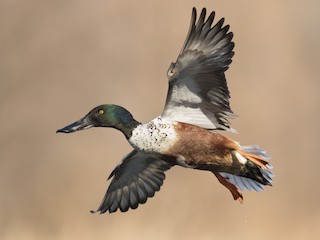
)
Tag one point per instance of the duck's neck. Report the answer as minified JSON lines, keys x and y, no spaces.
{"x":127,"y":127}
{"x":122,"y":120}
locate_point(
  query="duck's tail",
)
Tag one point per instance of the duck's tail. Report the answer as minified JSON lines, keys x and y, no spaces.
{"x":255,"y":174}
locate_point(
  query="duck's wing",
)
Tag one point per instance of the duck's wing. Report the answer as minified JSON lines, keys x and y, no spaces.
{"x":198,"y":92}
{"x":136,"y":178}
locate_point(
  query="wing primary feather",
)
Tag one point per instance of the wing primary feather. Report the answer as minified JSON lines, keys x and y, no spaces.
{"x":191,"y":27}
{"x":198,"y":27}
{"x":134,"y":196}
{"x":147,"y":187}
{"x":142,"y":192}
{"x":124,"y":204}
{"x":209,"y":22}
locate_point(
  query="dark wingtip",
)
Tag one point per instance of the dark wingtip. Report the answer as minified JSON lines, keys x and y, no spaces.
{"x":93,"y":211}
{"x":203,"y":12}
{"x":60,"y":130}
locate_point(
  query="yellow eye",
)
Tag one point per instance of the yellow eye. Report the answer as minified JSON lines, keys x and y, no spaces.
{"x":101,"y":112}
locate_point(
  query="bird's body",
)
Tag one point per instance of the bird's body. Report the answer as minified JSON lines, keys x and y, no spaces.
{"x":179,"y":140}
{"x":184,"y":134}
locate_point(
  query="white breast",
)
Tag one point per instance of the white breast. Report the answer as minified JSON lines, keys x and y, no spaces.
{"x":157,"y":136}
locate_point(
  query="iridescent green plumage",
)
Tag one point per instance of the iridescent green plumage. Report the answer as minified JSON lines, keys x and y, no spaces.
{"x":108,"y":115}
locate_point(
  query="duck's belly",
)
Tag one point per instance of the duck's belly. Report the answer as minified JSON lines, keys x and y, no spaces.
{"x":156,"y":136}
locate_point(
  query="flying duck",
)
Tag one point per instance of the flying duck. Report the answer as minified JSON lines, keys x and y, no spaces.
{"x":185,"y":133}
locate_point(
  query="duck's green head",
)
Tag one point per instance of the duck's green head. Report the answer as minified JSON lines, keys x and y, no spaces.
{"x":107,"y":115}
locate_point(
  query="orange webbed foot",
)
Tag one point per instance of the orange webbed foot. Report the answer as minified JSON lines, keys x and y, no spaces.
{"x":236,"y":193}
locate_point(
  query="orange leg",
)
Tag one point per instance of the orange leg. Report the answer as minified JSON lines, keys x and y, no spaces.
{"x":236,"y":193}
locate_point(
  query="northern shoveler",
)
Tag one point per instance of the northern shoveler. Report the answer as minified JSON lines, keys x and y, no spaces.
{"x":197,"y":104}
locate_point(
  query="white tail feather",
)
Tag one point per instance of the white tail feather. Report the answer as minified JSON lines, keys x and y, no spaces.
{"x":254,"y":149}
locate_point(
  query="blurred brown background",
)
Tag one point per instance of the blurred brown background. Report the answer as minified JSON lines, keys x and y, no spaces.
{"x":58,"y":59}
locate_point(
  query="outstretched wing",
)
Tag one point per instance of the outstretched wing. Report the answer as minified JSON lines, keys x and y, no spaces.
{"x":198,"y":92}
{"x":137,"y":177}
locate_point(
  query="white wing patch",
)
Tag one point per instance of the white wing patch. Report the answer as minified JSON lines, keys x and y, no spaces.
{"x":192,"y":116}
